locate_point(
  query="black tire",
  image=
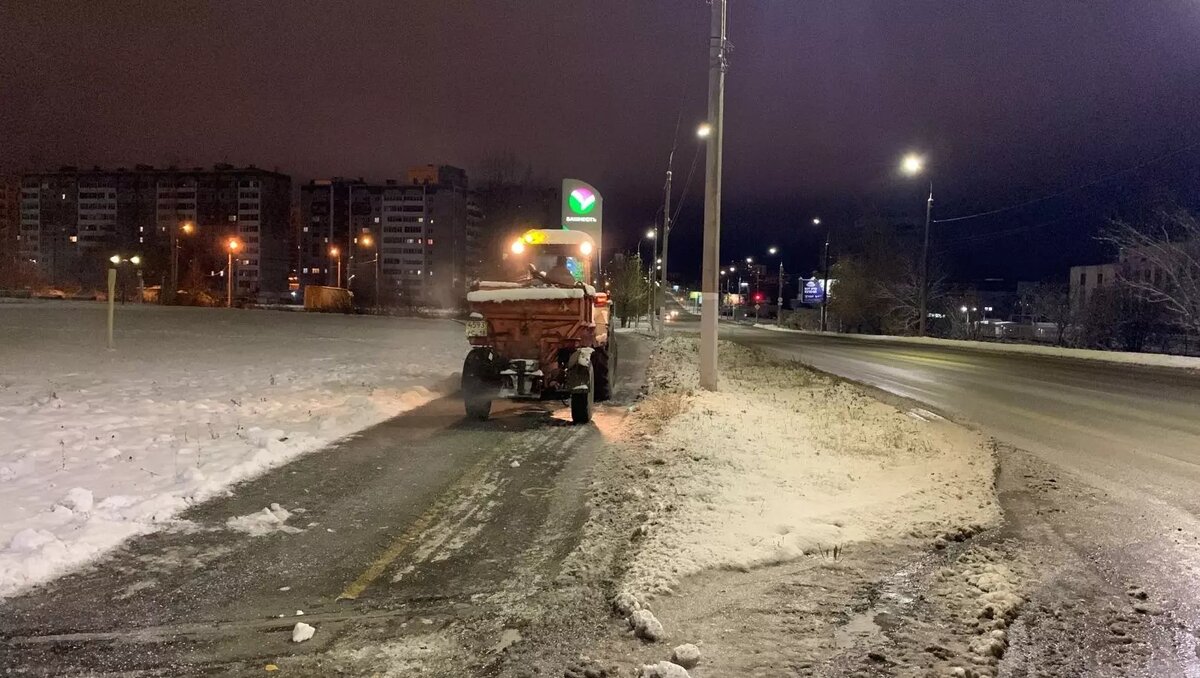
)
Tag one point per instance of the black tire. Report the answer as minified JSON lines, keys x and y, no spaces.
{"x":602,"y":364}
{"x":581,"y":403}
{"x":478,"y":383}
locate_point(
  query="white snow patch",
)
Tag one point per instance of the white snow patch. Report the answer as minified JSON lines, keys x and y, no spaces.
{"x":526,"y":294}
{"x":191,"y":402}
{"x":686,"y":655}
{"x":302,"y":632}
{"x":79,"y":499}
{"x":663,"y":669}
{"x":266,"y":521}
{"x":1121,"y":357}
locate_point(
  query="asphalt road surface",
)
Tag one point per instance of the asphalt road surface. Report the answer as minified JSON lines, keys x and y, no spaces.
{"x":1099,"y":476}
{"x":425,"y":524}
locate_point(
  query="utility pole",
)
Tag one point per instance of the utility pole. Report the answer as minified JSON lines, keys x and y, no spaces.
{"x":163,"y":295}
{"x":825,"y":282}
{"x":666,"y":240}
{"x":349,"y":235}
{"x":717,"y":66}
{"x":925,"y":264}
{"x":779,"y":307}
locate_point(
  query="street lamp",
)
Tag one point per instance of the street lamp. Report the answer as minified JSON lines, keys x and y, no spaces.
{"x":912,"y":165}
{"x":231,"y":246}
{"x":779,"y":298}
{"x":825,"y":275}
{"x":704,"y":130}
{"x":185,"y":228}
{"x":368,"y":241}
{"x":336,"y":254}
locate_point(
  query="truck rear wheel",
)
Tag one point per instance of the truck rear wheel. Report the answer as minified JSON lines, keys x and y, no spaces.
{"x":581,"y":402}
{"x":479,"y":383}
{"x":603,"y":363}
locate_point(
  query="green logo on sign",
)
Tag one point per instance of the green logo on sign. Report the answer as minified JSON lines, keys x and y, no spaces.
{"x":582,"y":201}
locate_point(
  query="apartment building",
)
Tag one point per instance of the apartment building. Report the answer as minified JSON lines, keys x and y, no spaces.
{"x":73,"y":220}
{"x":10,"y":217}
{"x":421,"y":235}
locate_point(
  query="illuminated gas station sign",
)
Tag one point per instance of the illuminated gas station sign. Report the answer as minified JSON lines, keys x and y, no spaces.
{"x":583,"y":209}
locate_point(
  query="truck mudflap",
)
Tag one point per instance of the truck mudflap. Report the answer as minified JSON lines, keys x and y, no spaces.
{"x":579,"y":371}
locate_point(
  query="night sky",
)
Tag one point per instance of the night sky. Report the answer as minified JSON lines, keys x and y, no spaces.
{"x":1009,"y":100}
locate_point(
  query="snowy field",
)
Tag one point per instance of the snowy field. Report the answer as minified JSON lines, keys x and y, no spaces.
{"x":98,"y":445}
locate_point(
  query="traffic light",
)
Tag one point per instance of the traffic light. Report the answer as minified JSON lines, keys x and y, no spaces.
{"x":758,"y":297}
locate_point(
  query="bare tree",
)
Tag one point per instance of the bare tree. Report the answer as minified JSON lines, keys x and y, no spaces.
{"x":629,"y":288}
{"x":901,"y":298}
{"x":1161,"y":262}
{"x":1052,"y":303}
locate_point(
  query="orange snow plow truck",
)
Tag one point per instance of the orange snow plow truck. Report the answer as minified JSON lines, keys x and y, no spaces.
{"x":544,"y":335}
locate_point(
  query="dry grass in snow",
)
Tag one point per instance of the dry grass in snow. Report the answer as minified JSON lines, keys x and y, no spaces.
{"x":783,"y":462}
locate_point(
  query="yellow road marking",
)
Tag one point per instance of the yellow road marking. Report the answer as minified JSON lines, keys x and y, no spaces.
{"x":408,"y":538}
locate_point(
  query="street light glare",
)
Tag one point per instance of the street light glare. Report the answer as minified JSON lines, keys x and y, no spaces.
{"x":135,"y":260}
{"x":749,"y":260}
{"x":234,"y":245}
{"x":816,"y":221}
{"x":912,"y":164}
{"x":650,"y":234}
{"x":116,"y":258}
{"x":773,"y":250}
{"x":333,"y":251}
{"x":704,"y":130}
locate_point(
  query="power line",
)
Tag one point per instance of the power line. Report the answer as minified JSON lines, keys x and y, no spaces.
{"x":1102,"y":179}
{"x":686,"y":184}
{"x":981,"y":237}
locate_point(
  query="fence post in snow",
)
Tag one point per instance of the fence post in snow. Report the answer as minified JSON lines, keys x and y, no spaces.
{"x":112,"y":291}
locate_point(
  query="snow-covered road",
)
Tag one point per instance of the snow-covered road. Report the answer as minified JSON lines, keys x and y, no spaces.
{"x":98,"y":445}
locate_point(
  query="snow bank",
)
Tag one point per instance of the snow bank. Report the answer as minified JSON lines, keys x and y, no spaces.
{"x":783,"y":462}
{"x":97,"y":446}
{"x":1121,"y":357}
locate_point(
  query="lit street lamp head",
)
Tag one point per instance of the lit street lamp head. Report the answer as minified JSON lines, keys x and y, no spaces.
{"x":912,"y":164}
{"x":135,"y":260}
{"x":704,"y":130}
{"x":116,"y":258}
{"x":234,"y":244}
{"x":816,"y":221}
{"x":749,"y":260}
{"x":773,"y":250}
{"x":187,"y":227}
{"x":333,"y":251}
{"x":650,"y":234}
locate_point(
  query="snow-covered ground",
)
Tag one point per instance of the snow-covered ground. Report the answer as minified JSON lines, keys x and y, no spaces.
{"x":98,"y":445}
{"x":782,"y":462}
{"x":1121,"y":357}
